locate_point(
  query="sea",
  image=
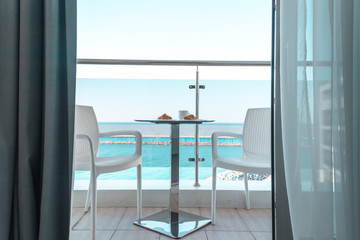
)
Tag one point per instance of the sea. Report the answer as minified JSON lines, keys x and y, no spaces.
{"x":124,"y":100}
{"x":156,"y":149}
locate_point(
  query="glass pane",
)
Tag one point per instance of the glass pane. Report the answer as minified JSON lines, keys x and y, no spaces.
{"x":119,"y":101}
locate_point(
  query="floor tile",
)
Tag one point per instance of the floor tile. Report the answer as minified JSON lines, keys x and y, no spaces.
{"x":117,"y":223}
{"x":262,"y":235}
{"x":216,"y":235}
{"x":107,"y":218}
{"x":86,"y":235}
{"x":198,"y":235}
{"x":257,"y":219}
{"x":129,"y":217}
{"x":135,"y":235}
{"x":226,"y":219}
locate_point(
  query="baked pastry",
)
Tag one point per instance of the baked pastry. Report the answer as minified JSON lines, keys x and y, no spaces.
{"x":190,"y":117}
{"x":165,"y":117}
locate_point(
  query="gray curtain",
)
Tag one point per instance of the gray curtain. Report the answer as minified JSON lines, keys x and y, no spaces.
{"x":37,"y":101}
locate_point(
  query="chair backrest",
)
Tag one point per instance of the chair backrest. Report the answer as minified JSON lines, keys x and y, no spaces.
{"x":86,"y":123}
{"x":257,"y":134}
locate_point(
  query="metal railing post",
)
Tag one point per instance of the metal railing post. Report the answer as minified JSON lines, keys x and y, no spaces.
{"x":197,"y":184}
{"x":196,"y":159}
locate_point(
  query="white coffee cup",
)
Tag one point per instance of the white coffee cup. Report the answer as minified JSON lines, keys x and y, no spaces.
{"x":183,"y":113}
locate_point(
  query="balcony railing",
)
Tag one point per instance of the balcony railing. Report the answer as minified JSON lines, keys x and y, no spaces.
{"x":173,"y":62}
{"x":195,"y":141}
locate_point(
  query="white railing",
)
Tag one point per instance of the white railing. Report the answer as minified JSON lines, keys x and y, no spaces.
{"x":196,"y":63}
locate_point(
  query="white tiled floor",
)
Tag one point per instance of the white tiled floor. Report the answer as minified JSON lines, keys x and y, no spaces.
{"x":116,"y":223}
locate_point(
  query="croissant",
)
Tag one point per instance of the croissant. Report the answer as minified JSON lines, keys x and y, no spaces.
{"x":190,"y":117}
{"x":165,"y":116}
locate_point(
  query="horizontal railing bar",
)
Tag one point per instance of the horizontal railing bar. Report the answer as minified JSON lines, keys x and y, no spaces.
{"x":172,"y":62}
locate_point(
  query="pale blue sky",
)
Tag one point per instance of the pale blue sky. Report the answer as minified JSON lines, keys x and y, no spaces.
{"x":127,"y":100}
{"x":176,"y":30}
{"x":169,"y":29}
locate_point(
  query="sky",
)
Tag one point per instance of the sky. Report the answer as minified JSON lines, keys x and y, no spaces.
{"x":224,"y":101}
{"x":170,"y":30}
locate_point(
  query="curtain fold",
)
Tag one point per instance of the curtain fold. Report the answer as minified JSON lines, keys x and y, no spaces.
{"x":356,"y":116}
{"x":37,"y":101}
{"x":319,"y":87}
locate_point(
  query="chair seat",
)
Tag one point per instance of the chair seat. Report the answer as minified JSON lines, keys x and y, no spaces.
{"x":244,"y":164}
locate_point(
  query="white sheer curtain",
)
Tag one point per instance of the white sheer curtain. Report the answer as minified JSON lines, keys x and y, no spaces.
{"x":320,"y":114}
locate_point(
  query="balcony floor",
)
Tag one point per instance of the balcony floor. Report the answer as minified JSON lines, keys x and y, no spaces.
{"x":117,"y":223}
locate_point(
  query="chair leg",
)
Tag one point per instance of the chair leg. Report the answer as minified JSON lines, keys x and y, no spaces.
{"x":93,"y":208}
{"x":213,"y":198}
{"x":87,"y":202}
{"x":139,"y":193}
{"x":247,"y":199}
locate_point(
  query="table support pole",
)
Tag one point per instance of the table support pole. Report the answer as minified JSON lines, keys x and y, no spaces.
{"x":172,"y":222}
{"x":174,"y":189}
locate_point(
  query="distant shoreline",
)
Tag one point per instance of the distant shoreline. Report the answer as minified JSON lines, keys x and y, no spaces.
{"x":163,"y":130}
{"x":166,"y":136}
{"x":150,"y":140}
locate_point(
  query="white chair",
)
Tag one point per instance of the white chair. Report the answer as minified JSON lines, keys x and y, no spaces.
{"x":256,"y":151}
{"x":87,"y":159}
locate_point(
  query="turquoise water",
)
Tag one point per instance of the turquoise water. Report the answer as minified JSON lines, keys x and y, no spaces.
{"x":156,"y":160}
{"x":167,"y":139}
{"x":158,"y":130}
{"x":118,"y":102}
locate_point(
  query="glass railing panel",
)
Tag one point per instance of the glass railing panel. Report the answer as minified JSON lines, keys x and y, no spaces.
{"x":229,"y":92}
{"x":129,"y":95}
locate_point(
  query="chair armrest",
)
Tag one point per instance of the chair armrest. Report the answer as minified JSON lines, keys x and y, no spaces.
{"x":226,"y":134}
{"x":92,"y":160}
{"x":137,"y":134}
{"x":120,"y":133}
{"x":214,"y":138}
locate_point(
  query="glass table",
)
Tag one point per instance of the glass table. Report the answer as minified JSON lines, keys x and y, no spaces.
{"x":172,"y":222}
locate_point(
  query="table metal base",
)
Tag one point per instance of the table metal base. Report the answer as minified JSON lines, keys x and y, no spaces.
{"x":172,"y":224}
